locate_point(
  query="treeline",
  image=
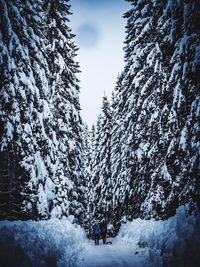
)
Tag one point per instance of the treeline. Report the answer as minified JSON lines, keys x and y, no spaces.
{"x":141,"y":158}
{"x":145,"y":146}
{"x":41,"y":129}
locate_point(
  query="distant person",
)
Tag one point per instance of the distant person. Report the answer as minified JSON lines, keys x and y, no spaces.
{"x":103,"y":227}
{"x":96,"y":233}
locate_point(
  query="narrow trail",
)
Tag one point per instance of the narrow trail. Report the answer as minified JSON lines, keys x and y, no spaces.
{"x":110,"y":256}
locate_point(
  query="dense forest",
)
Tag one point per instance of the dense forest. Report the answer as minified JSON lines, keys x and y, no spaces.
{"x":145,"y":147}
{"x":141,"y":158}
{"x":41,"y":128}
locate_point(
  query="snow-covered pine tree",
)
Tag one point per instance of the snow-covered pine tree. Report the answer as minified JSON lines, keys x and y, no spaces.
{"x":100,"y":191}
{"x":65,"y":108}
{"x":23,"y":106}
{"x":87,"y":151}
{"x":40,"y":121}
{"x":87,"y":161}
{"x":95,"y":161}
{"x":118,"y":163}
{"x":140,"y":103}
{"x":159,"y":109}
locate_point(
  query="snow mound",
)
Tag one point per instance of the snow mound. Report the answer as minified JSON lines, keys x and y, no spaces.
{"x":174,"y":242}
{"x":52,"y":243}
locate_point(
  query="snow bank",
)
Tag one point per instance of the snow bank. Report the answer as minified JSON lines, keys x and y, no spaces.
{"x":174,"y":242}
{"x":52,"y":243}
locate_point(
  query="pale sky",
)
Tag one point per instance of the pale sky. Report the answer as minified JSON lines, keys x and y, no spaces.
{"x":100,"y":33}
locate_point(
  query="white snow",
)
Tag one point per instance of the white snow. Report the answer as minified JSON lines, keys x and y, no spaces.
{"x":40,"y":244}
{"x":140,"y":243}
{"x":174,"y":242}
{"x":113,"y":255}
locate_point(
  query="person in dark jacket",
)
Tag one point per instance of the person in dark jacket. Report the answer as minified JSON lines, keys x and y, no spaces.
{"x":96,"y":233}
{"x":103,"y":227}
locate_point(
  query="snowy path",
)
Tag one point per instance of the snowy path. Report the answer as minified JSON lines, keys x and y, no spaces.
{"x":110,"y":256}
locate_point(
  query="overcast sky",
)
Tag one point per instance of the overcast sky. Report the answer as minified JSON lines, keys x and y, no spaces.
{"x":100,"y":33}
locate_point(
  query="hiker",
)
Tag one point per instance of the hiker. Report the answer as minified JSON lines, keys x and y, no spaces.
{"x":96,"y":233}
{"x":103,"y":227}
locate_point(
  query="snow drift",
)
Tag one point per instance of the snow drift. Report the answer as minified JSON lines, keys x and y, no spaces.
{"x":53,"y":243}
{"x":174,"y":242}
{"x":59,"y":243}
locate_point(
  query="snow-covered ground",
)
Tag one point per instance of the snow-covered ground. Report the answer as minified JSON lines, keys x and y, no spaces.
{"x":113,"y":255}
{"x":52,"y":243}
{"x":140,"y":243}
{"x":174,"y":242}
{"x":149,"y":243}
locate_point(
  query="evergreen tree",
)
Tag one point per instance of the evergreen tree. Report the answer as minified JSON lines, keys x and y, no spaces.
{"x":41,"y":129}
{"x":156,"y":164}
{"x":87,"y":151}
{"x":65,"y":108}
{"x":87,"y":161}
{"x":23,"y":101}
{"x":100,"y":192}
{"x":118,"y":166}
